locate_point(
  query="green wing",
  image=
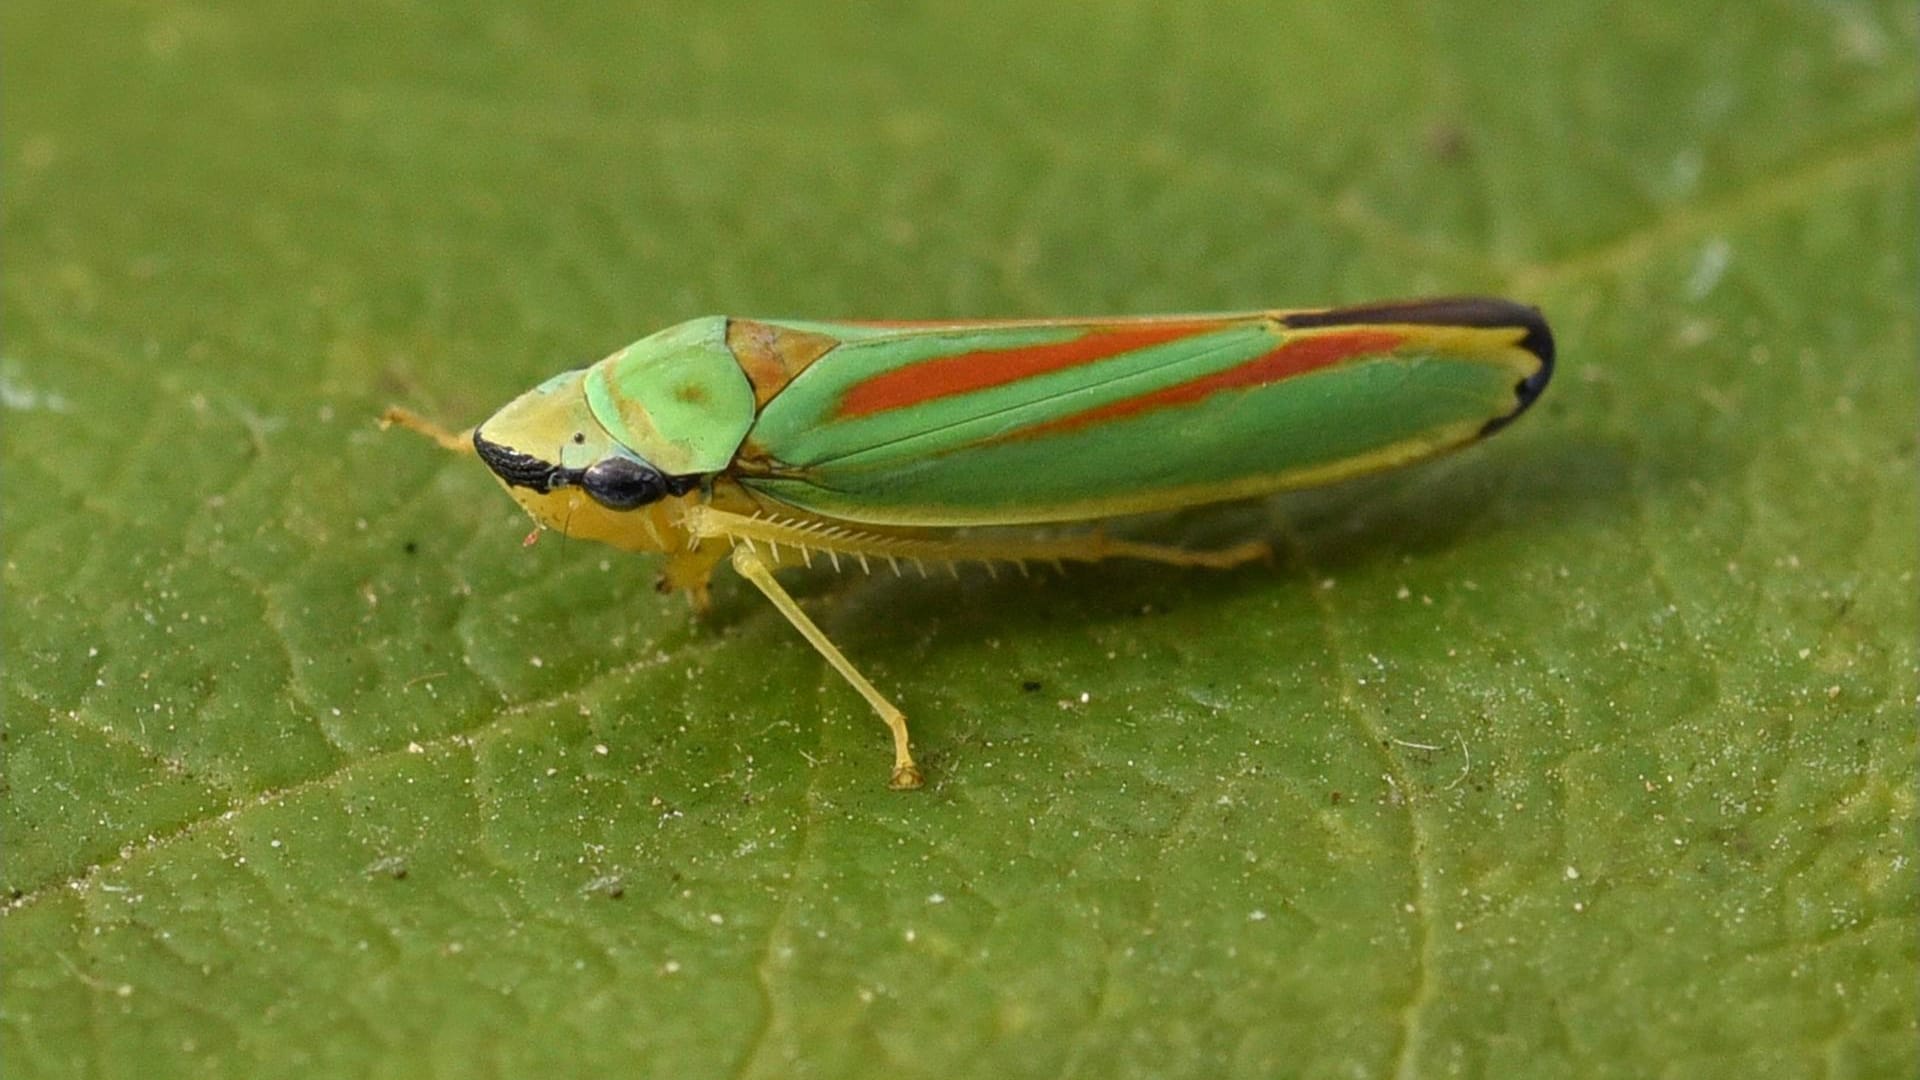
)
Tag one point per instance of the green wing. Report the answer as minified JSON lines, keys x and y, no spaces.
{"x":1022,"y":422}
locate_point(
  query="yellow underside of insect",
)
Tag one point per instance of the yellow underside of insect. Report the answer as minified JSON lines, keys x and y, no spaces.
{"x":698,"y":531}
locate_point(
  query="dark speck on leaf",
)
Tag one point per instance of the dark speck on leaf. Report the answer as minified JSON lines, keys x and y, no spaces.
{"x":389,"y":866}
{"x":411,"y":547}
{"x":1447,"y":142}
{"x":1031,"y":686}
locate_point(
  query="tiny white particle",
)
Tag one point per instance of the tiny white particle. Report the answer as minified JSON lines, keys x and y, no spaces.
{"x":536,"y":661}
{"x":717,"y":919}
{"x":1256,"y":915}
{"x":936,"y":898}
{"x":1708,"y":268}
{"x":601,"y":749}
{"x":671,"y":967}
{"x":1573,"y":873}
{"x":415,"y":748}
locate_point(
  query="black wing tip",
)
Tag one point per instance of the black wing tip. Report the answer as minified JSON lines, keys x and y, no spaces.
{"x":1479,"y":311}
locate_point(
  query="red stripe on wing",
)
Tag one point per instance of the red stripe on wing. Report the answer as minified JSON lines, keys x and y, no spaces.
{"x":1293,"y":358}
{"x":983,"y":369}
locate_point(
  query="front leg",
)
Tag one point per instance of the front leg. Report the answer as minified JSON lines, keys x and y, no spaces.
{"x":689,"y":572}
{"x":460,"y":442}
{"x":906,"y":774}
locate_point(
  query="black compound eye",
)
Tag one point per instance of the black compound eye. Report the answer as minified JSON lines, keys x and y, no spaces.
{"x":620,"y":483}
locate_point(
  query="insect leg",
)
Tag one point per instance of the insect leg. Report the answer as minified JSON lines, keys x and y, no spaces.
{"x":689,"y":572}
{"x":1093,"y":547}
{"x":460,"y":442}
{"x":1079,"y":547}
{"x":987,"y":547}
{"x":754,"y":568}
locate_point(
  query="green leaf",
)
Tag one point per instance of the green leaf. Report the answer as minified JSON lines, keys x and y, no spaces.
{"x":1589,"y":752}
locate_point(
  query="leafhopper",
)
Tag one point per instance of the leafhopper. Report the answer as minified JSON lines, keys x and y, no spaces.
{"x":769,"y":443}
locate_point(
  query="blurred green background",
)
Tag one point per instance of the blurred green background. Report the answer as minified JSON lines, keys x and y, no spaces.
{"x":1588,"y":752}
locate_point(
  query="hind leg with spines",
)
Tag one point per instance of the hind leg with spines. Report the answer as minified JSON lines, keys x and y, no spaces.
{"x":790,"y":542}
{"x":802,"y":537}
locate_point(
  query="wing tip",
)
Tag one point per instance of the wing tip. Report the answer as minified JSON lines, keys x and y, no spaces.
{"x":1475,"y":311}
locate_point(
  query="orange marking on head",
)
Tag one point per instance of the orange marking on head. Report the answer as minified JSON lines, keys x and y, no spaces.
{"x":1295,"y":357}
{"x":943,"y":376}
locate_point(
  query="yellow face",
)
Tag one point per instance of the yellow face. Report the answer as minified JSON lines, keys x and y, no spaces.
{"x":563,"y":468}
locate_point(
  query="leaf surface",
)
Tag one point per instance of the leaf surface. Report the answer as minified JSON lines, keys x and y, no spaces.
{"x":1587,"y":752}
